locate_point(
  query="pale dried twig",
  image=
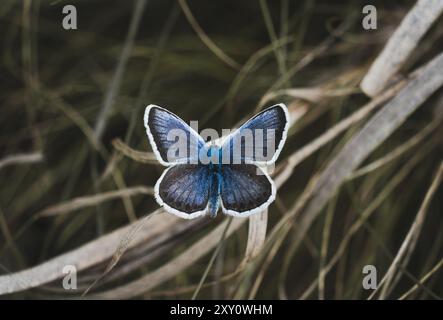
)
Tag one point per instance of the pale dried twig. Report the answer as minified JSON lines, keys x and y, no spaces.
{"x":400,"y":150}
{"x":21,"y":158}
{"x":139,"y":156}
{"x":87,"y":201}
{"x":170,"y":269}
{"x":122,"y":247}
{"x":411,"y":237}
{"x":214,"y":256}
{"x":333,"y":132}
{"x":381,"y":125}
{"x":425,"y":278}
{"x":159,"y":228}
{"x":401,"y":44}
{"x":314,"y":94}
{"x":368,"y":212}
{"x":257,"y":234}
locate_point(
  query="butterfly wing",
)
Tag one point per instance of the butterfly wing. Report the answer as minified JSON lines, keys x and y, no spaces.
{"x":185,"y":190}
{"x":267,"y":132}
{"x":167,"y":132}
{"x":245,"y":189}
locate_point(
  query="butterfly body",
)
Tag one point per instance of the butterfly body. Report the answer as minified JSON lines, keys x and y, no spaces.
{"x":214,"y":195}
{"x":204,"y":176}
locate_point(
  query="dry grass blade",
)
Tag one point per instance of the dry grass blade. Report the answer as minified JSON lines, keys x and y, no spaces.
{"x":87,"y":201}
{"x":400,"y":150}
{"x":122,"y":247}
{"x":411,"y":238}
{"x":76,"y":117}
{"x":171,"y":268}
{"x":211,"y":262}
{"x":256,"y":236}
{"x":205,"y":39}
{"x":423,"y":280}
{"x":308,"y":58}
{"x":157,"y":230}
{"x":333,"y":132}
{"x":249,"y":65}
{"x":21,"y":159}
{"x":139,"y":156}
{"x":114,"y":86}
{"x":379,"y":127}
{"x":401,"y":44}
{"x":9,"y":239}
{"x":83,"y":125}
{"x":272,"y":35}
{"x":297,"y":109}
{"x":324,"y":249}
{"x":314,"y":94}
{"x":369,"y":211}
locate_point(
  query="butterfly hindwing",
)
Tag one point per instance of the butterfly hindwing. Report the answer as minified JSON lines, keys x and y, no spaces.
{"x":266,"y":132}
{"x":245,"y":189}
{"x":161,"y":125}
{"x":185,"y":190}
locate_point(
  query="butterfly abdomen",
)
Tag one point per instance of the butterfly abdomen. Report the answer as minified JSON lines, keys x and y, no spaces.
{"x":214,"y":191}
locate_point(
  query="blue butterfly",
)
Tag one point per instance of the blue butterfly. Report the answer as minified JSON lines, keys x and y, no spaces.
{"x":222,"y":173}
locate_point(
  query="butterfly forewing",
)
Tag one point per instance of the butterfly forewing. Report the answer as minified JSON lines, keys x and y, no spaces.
{"x":260,"y":139}
{"x":172,"y":140}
